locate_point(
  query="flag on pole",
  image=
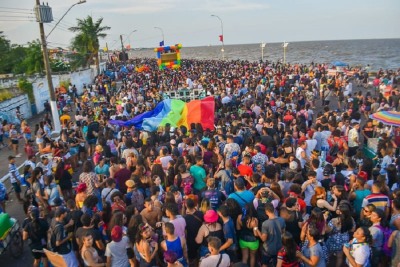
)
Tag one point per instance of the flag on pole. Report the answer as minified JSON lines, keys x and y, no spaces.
{"x":162,"y":43}
{"x":221,"y":38}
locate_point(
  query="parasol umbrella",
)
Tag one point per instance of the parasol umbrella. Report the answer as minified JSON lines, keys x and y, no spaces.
{"x":339,"y":64}
{"x":387,"y":117}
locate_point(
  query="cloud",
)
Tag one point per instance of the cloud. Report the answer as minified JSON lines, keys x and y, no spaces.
{"x":156,"y":6}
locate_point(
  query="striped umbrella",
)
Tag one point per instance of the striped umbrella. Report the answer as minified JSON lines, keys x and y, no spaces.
{"x":387,"y":117}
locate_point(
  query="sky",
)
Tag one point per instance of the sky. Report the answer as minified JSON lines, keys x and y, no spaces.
{"x":190,"y":23}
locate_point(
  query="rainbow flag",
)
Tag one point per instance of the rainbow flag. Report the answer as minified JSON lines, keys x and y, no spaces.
{"x":176,"y":112}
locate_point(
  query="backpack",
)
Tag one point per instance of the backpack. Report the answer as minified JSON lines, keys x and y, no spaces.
{"x":387,"y":232}
{"x":334,"y":150}
{"x":137,"y":200}
{"x":261,"y":215}
{"x":229,"y":188}
{"x":51,"y":238}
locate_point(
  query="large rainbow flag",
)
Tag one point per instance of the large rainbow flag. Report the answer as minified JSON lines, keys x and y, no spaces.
{"x":176,"y":112}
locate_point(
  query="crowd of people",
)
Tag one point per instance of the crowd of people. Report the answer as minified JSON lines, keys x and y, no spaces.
{"x":281,"y":180}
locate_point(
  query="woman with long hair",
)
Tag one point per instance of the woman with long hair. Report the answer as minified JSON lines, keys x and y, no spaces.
{"x":183,"y":177}
{"x":312,"y":254}
{"x":287,"y":254}
{"x":319,"y":200}
{"x":358,"y":250}
{"x":339,"y":230}
{"x":89,"y":254}
{"x":248,"y":242}
{"x":64,"y":179}
{"x":146,"y":247}
{"x":36,"y":231}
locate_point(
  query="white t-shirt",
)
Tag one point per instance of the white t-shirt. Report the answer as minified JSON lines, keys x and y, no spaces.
{"x":117,"y":252}
{"x":212,"y":261}
{"x":361,"y":254}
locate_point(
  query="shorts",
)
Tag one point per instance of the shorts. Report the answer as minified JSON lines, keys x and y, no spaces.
{"x":268,"y":259}
{"x":92,"y":141}
{"x":1,"y":138}
{"x":38,"y":255}
{"x":28,"y":136}
{"x":16,"y":187}
{"x":253,"y":245}
{"x":74,"y":150}
{"x":14,"y":141}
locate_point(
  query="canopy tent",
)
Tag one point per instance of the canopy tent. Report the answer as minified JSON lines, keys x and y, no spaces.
{"x":391,"y":118}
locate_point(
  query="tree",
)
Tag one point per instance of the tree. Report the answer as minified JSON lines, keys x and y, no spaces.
{"x":33,"y":61}
{"x":86,"y":42}
{"x":5,"y":48}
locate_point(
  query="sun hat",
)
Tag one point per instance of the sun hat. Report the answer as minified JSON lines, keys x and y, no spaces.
{"x":211,"y":216}
{"x":130,"y":183}
{"x":293,"y":165}
{"x":116,"y":233}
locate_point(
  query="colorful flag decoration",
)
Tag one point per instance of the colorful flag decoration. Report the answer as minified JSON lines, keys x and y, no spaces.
{"x":176,"y":112}
{"x":221,"y":38}
{"x":162,"y":43}
{"x":387,"y":117}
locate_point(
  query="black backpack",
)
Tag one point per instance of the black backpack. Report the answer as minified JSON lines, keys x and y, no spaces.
{"x":261,"y":215}
{"x":51,"y":237}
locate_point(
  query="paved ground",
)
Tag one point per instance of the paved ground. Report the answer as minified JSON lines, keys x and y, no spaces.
{"x":15,"y":209}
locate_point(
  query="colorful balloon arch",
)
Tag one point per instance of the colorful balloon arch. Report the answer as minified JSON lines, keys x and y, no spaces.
{"x":168,"y":56}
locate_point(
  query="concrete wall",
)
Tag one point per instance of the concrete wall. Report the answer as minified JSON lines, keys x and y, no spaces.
{"x":8,"y":108}
{"x":41,"y":89}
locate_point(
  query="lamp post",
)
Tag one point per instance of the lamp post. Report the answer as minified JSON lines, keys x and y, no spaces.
{"x":129,"y":35}
{"x":162,"y":33}
{"x":44,"y":15}
{"x":222,"y":35}
{"x":262,"y":45}
{"x":55,"y":26}
{"x":284,"y":51}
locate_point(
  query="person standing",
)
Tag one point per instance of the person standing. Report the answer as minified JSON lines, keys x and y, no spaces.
{"x":175,"y":243}
{"x":271,"y":235}
{"x":354,"y":139}
{"x":199,"y":175}
{"x":117,"y":249}
{"x":215,"y":258}
{"x":15,"y":177}
{"x":62,"y":243}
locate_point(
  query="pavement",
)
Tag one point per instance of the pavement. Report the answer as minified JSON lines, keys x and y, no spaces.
{"x":14,"y":208}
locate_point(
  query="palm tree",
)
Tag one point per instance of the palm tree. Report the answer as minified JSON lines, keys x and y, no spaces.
{"x":86,"y":42}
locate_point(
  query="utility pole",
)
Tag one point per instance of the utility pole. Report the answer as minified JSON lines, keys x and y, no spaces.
{"x":45,"y":17}
{"x":123,"y":50}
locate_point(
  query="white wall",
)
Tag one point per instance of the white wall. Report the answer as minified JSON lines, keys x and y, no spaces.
{"x":41,"y":89}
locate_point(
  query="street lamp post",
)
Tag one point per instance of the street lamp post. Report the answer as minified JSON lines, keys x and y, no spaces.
{"x":262,"y":45}
{"x":46,"y":17}
{"x":284,"y":51}
{"x":162,"y":33}
{"x":55,"y":26}
{"x":222,"y":36}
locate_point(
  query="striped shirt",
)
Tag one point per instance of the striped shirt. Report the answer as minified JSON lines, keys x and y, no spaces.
{"x":379,"y":200}
{"x":12,"y":169}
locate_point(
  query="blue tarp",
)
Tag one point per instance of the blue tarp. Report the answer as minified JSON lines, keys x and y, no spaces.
{"x":339,"y":64}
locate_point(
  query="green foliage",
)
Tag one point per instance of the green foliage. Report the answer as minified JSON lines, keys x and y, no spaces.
{"x":86,"y":42}
{"x":65,"y":83}
{"x":5,"y":95}
{"x":27,"y":88}
{"x":33,"y":61}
